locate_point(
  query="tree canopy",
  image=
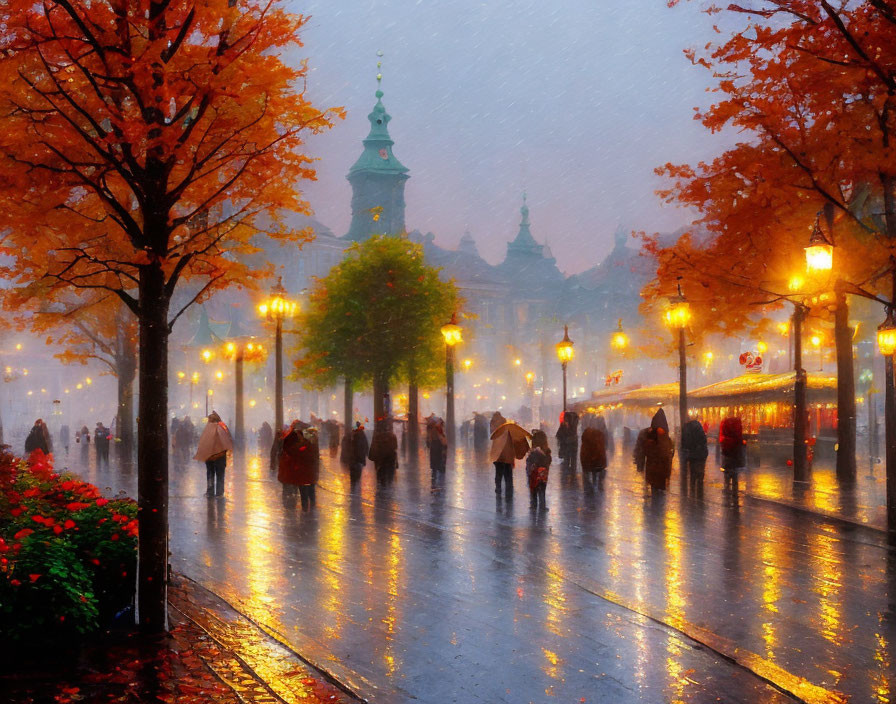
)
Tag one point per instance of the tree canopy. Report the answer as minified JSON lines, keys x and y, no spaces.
{"x":376,"y":318}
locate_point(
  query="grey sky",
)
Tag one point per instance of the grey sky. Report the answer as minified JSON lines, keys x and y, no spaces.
{"x":575,"y":101}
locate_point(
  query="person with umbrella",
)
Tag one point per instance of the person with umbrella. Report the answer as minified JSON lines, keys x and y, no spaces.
{"x":299,"y":467}
{"x":214,"y":444}
{"x":510,"y":442}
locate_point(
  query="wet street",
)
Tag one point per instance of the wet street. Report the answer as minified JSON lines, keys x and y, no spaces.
{"x":435,"y":590}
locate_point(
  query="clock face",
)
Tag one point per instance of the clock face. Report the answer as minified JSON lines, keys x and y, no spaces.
{"x":384,"y":155}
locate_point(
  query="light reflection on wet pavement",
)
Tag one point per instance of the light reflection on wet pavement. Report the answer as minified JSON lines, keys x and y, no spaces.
{"x":435,"y":590}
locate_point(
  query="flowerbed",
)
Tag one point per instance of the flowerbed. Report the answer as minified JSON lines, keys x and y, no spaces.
{"x":67,"y":555}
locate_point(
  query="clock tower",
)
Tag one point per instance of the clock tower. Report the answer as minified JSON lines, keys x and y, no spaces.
{"x":377,"y":180}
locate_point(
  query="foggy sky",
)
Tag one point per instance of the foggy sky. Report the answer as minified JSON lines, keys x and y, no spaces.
{"x":574,"y":101}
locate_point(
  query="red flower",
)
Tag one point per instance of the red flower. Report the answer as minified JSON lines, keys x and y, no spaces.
{"x":57,"y":529}
{"x":34,"y":577}
{"x":17,"y":511}
{"x":23,"y":533}
{"x":114,"y":536}
{"x":76,"y":506}
{"x":70,"y":524}
{"x":14,"y":582}
{"x":67,"y":485}
{"x":102,"y":502}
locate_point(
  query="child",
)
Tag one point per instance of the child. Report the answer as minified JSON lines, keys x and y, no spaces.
{"x":537,"y":463}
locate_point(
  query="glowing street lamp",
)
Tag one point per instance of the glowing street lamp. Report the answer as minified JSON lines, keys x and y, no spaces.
{"x":619,"y":341}
{"x":241,"y":350}
{"x":565,"y":354}
{"x":886,"y":342}
{"x":678,"y":315}
{"x":452,"y":332}
{"x":275,"y":309}
{"x":820,"y":250}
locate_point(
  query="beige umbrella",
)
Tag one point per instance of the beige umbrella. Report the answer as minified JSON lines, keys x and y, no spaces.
{"x":517,"y":432}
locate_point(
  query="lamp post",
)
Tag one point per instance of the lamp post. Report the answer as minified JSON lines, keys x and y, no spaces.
{"x":452,"y":334}
{"x":241,"y":351}
{"x":886,"y":341}
{"x":565,"y":354}
{"x":275,"y":309}
{"x":678,"y":316}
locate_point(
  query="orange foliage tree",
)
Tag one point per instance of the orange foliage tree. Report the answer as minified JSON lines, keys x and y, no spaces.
{"x":812,"y":86}
{"x":104,"y":330}
{"x":140,"y":141}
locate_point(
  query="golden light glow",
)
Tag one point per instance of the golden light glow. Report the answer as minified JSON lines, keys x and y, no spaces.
{"x":219,"y":375}
{"x":9,"y":370}
{"x":530,"y":377}
{"x":886,"y":339}
{"x":708,"y":357}
{"x":761,"y":347}
{"x":565,"y":351}
{"x":195,"y":378}
{"x":79,"y":386}
{"x":678,"y":315}
{"x":181,"y":375}
{"x":815,"y":340}
{"x":468,"y":363}
{"x":230,"y":348}
{"x":252,"y":403}
{"x":19,"y":347}
{"x":517,"y":362}
{"x":452,"y":332}
{"x":819,"y":257}
{"x":784,"y":328}
{"x":619,"y":341}
{"x":796,"y":283}
{"x":89,"y":381}
{"x":24,"y":372}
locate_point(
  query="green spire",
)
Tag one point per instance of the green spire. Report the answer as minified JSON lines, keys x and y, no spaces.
{"x":524,"y":243}
{"x":377,"y":156}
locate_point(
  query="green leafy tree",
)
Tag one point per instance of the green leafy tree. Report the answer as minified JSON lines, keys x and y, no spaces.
{"x":375,"y":320}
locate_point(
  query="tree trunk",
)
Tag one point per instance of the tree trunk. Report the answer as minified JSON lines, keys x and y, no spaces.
{"x":380,"y":391}
{"x":348,"y":404}
{"x":152,"y":453}
{"x":846,"y":393}
{"x":125,"y":424}
{"x":413,"y":418}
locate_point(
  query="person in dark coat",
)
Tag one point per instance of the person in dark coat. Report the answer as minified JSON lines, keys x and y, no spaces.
{"x":185,"y":437}
{"x":568,"y":438}
{"x":265,"y":438}
{"x":438,"y":445}
{"x":37,"y":438}
{"x":299,"y":468}
{"x":357,"y":452}
{"x":638,"y":454}
{"x":64,"y":437}
{"x":538,"y":463}
{"x":733,"y":447}
{"x":694,"y":453}
{"x":101,"y":443}
{"x":658,"y":453}
{"x":593,"y":453}
{"x":384,"y":452}
{"x":480,"y":432}
{"x":332,"y":429}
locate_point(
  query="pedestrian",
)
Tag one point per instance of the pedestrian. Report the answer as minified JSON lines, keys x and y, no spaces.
{"x":497,"y":420}
{"x":733,"y":447}
{"x":185,"y":438}
{"x":508,"y":445}
{"x":593,"y":453}
{"x":480,"y":432}
{"x":538,"y":463}
{"x":64,"y":437}
{"x":658,"y":453}
{"x":214,"y":444}
{"x":358,"y":448}
{"x":101,"y":443}
{"x":332,"y":428}
{"x":384,"y":452}
{"x":37,"y":438}
{"x":438,"y":445}
{"x":568,"y":438}
{"x":638,"y":454}
{"x":265,"y":438}
{"x":300,"y":464}
{"x":694,"y":453}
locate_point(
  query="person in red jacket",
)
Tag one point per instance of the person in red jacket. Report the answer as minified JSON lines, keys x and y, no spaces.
{"x":299,"y":466}
{"x":733,"y":446}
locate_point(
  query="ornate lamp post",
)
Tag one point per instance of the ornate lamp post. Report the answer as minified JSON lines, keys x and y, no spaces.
{"x":452,"y":332}
{"x":619,"y":341}
{"x":241,"y":350}
{"x":886,"y":341}
{"x":565,"y":354}
{"x":275,"y":309}
{"x":678,"y":315}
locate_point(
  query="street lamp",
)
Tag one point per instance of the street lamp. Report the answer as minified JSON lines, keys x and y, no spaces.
{"x":565,"y":354}
{"x":452,"y":334}
{"x":678,"y":315}
{"x":819,"y":251}
{"x":275,"y":309}
{"x":241,"y":350}
{"x":619,"y":341}
{"x":886,"y":342}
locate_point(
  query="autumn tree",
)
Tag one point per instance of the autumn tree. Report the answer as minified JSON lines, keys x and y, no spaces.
{"x":376,"y":320}
{"x":811,"y":85}
{"x":102,"y":330}
{"x":140,"y":143}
